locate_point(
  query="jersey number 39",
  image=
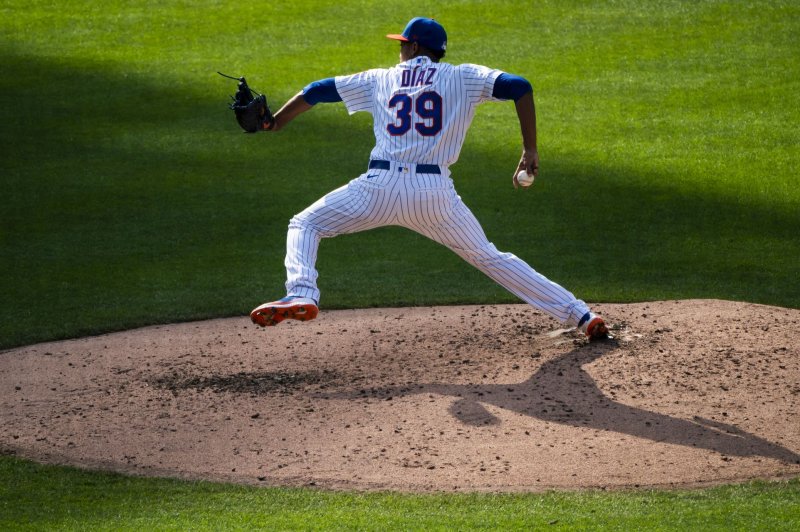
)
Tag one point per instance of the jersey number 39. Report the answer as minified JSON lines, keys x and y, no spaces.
{"x":427,"y":106}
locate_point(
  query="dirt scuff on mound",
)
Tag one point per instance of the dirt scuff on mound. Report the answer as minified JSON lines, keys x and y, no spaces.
{"x":469,"y":398}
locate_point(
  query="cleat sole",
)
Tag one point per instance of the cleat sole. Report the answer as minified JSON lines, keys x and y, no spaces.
{"x":271,"y":315}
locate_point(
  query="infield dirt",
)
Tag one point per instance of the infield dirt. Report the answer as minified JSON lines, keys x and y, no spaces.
{"x":467,"y":398}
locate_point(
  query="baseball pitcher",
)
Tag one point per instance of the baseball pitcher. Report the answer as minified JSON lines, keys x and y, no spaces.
{"x":421,"y":111}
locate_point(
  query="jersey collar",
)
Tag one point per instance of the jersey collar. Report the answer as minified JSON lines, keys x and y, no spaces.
{"x":421,"y":60}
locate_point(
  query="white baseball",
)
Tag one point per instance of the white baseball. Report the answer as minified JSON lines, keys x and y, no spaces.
{"x":524,"y":179}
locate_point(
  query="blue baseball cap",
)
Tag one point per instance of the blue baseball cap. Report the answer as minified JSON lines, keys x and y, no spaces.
{"x":424,"y":31}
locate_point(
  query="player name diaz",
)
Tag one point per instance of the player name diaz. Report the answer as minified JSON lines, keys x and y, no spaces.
{"x":417,"y":77}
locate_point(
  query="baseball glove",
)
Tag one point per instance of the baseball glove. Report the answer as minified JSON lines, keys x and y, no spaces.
{"x":252,"y":113}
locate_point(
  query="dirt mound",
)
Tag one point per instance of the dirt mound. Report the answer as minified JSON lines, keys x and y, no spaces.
{"x":470,"y":398}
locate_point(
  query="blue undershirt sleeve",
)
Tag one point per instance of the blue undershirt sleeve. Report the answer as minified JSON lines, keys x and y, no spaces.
{"x":323,"y":90}
{"x":510,"y":87}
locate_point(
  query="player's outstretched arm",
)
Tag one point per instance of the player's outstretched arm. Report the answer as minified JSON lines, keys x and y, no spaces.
{"x":291,"y":110}
{"x":526,"y":112}
{"x":323,"y":90}
{"x":513,"y":87}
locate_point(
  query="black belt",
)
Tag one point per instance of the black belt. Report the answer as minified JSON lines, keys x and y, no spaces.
{"x":421,"y":168}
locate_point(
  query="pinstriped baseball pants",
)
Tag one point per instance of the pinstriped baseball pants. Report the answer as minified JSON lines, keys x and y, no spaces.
{"x":429,"y":205}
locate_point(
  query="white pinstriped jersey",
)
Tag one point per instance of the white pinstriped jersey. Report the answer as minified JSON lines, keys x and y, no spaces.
{"x":421,"y":109}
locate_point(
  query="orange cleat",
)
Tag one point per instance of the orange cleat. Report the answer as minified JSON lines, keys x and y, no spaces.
{"x":594,"y":327}
{"x":288,"y":308}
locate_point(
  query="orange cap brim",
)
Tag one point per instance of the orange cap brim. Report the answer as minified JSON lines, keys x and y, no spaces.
{"x":396,"y":37}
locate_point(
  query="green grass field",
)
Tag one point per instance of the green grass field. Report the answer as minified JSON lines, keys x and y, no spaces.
{"x":45,"y":497}
{"x":669,"y":143}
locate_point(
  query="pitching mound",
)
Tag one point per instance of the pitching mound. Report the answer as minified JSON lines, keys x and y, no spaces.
{"x":473,"y":398}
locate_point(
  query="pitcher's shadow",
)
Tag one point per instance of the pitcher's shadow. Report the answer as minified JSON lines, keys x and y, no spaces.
{"x":561,"y":391}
